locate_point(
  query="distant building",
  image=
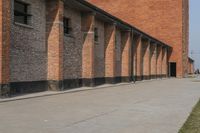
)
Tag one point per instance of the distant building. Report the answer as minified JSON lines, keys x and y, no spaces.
{"x":191,"y":66}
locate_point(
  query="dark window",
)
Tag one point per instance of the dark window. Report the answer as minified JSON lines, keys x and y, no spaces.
{"x":21,"y":12}
{"x":67,"y":28}
{"x":96,"y":36}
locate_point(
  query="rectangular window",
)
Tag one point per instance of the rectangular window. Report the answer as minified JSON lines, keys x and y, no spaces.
{"x":66,"y":24}
{"x":96,"y":36}
{"x":21,"y":10}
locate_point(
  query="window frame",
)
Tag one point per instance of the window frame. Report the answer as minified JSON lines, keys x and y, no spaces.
{"x":25,"y":14}
{"x":67,"y":26}
{"x":96,"y":34}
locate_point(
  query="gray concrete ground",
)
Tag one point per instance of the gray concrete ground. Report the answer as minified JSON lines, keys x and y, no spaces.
{"x":160,"y":106}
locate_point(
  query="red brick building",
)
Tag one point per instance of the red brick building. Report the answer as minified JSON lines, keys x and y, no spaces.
{"x":167,"y":20}
{"x":63,"y":44}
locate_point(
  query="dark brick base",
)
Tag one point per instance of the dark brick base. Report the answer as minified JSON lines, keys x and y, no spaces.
{"x":110,"y":80}
{"x":88,"y":82}
{"x":72,"y":83}
{"x":4,"y":90}
{"x":99,"y":81}
{"x":138,"y":78}
{"x":113,"y":80}
{"x":164,"y":76}
{"x":144,"y":77}
{"x":28,"y":87}
{"x":39,"y":86}
{"x":126,"y":79}
{"x":153,"y":76}
{"x":55,"y":85}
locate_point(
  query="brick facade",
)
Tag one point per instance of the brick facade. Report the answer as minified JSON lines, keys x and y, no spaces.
{"x":5,"y":28}
{"x":153,"y":59}
{"x":110,"y":52}
{"x":99,"y":54}
{"x":98,"y":49}
{"x":146,"y":59}
{"x":159,"y":61}
{"x":167,"y":20}
{"x":126,"y":56}
{"x":138,"y":57}
{"x":73,"y":46}
{"x":55,"y":43}
{"x":88,"y":24}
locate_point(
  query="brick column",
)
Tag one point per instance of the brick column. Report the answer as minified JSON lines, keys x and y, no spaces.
{"x":153,"y":60}
{"x":55,"y":42}
{"x":110,"y":52}
{"x":159,"y":61}
{"x":164,"y":62}
{"x":5,"y":29}
{"x":137,"y":57}
{"x":146,"y":59}
{"x":88,"y":23}
{"x":126,"y":56}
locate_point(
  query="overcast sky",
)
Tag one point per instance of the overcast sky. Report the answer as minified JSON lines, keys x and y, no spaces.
{"x":195,"y":31}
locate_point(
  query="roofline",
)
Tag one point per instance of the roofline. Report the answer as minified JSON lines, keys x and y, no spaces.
{"x":113,"y":18}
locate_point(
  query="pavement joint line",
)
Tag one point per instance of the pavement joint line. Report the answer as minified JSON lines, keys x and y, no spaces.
{"x":100,"y":115}
{"x":106,"y":86}
{"x":91,"y":118}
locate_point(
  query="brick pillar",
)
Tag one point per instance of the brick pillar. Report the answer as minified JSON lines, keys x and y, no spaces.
{"x":55,"y":42}
{"x":164,"y":62}
{"x":5,"y":23}
{"x":159,"y":61}
{"x":137,"y":57}
{"x":110,"y":52}
{"x":153,"y":61}
{"x":146,"y":59}
{"x":88,"y":23}
{"x":126,"y":56}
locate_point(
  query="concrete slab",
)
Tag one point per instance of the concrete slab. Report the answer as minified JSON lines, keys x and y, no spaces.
{"x":160,"y":106}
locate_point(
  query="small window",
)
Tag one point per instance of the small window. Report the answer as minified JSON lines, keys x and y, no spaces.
{"x":21,"y":10}
{"x":66,"y":24}
{"x":96,"y":36}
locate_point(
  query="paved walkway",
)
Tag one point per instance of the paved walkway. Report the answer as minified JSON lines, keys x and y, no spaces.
{"x":160,"y":106}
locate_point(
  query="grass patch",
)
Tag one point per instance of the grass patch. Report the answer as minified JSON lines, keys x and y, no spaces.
{"x":192,"y":125}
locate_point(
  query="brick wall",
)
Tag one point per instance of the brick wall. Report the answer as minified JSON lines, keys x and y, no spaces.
{"x":110,"y":50}
{"x":166,"y":20}
{"x":99,"y":63}
{"x":28,"y":58}
{"x":73,"y":46}
{"x":43,"y":58}
{"x":5,"y":19}
{"x":153,"y":59}
{"x":118,"y":53}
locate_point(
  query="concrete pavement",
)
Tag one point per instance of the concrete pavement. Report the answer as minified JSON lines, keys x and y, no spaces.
{"x":160,"y":106}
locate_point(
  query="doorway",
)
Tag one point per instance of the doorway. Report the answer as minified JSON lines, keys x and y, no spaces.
{"x":172,"y":69}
